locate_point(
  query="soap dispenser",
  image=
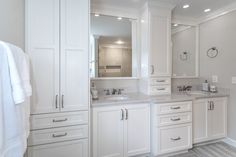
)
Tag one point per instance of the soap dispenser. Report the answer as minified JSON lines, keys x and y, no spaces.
{"x":205,"y":86}
{"x":94,"y":91}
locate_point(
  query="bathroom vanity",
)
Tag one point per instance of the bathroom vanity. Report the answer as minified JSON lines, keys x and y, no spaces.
{"x":156,"y":125}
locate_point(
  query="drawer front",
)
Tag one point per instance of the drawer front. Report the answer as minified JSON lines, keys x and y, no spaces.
{"x":175,"y":138}
{"x":58,"y":120}
{"x":174,"y":119}
{"x":176,"y":107}
{"x":58,"y":134}
{"x":160,"y":81}
{"x":160,"y":90}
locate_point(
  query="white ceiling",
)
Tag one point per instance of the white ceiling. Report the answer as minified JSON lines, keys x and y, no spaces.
{"x":196,"y":9}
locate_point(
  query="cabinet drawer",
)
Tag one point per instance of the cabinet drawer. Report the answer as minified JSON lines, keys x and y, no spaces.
{"x":175,"y":138}
{"x":58,"y":120}
{"x":174,"y":119}
{"x":176,"y":107}
{"x":160,"y":81}
{"x":160,"y":90}
{"x":58,"y":134}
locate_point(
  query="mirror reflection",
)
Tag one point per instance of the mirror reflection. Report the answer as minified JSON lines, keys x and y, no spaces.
{"x":184,"y":49}
{"x":112,"y":47}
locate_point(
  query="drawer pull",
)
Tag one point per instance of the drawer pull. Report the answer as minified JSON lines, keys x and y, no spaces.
{"x":176,"y":139}
{"x":160,"y":81}
{"x":160,"y":88}
{"x":175,"y":119}
{"x":60,"y":135}
{"x":175,"y":108}
{"x":60,"y":120}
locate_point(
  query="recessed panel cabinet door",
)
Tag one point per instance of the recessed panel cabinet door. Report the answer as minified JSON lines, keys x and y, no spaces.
{"x":42,"y":45}
{"x":200,"y":121}
{"x":108,"y":132}
{"x":137,"y":130}
{"x":77,"y":148}
{"x":160,"y":57}
{"x":74,"y":55}
{"x":218,"y":118}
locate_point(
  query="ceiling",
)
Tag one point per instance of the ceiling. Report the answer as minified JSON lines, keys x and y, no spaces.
{"x":196,"y":9}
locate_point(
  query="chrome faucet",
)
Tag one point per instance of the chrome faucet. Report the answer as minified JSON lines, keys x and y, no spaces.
{"x":184,"y":88}
{"x":107,"y":91}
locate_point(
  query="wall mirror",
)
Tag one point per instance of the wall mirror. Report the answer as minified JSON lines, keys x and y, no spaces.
{"x":113,"y":52}
{"x":185,"y":51}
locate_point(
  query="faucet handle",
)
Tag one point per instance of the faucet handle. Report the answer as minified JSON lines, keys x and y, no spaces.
{"x":180,"y":88}
{"x":120,"y":91}
{"x":107,"y":91}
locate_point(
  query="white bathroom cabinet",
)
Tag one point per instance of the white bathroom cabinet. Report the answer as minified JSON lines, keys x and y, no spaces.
{"x":77,"y":148}
{"x":57,"y":43}
{"x":121,"y":131}
{"x":155,"y":48}
{"x":209,"y":119}
{"x":57,"y":36}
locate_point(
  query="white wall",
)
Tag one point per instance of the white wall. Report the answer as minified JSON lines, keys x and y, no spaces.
{"x":12,"y":21}
{"x":221,"y":32}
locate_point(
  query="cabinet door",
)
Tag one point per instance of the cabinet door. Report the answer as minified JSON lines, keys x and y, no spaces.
{"x":42,"y":45}
{"x":218,"y":119}
{"x":108,"y":132}
{"x":74,"y":55}
{"x":78,"y":148}
{"x":200,"y":121}
{"x":160,"y":58}
{"x":137,"y":129}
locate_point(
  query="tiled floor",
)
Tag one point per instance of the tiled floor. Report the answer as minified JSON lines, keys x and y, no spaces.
{"x":219,"y":149}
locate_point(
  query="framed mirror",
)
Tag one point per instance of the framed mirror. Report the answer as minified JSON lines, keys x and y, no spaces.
{"x":113,"y":51}
{"x":185,"y":51}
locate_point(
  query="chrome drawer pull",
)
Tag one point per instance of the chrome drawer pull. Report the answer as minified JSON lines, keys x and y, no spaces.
{"x":175,"y":108}
{"x":160,"y":80}
{"x":60,"y":135}
{"x":60,"y":120}
{"x":127,"y":114}
{"x":176,"y":139}
{"x":122,"y":114}
{"x":160,"y":88}
{"x":176,"y":119}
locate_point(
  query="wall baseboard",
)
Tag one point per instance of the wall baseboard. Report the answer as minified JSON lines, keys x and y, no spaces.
{"x":230,"y":141}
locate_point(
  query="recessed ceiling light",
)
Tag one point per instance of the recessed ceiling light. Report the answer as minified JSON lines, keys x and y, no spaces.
{"x":119,"y":18}
{"x":119,"y":42}
{"x":96,"y":15}
{"x":142,"y":21}
{"x":176,"y":25}
{"x":207,"y":10}
{"x":186,"y":6}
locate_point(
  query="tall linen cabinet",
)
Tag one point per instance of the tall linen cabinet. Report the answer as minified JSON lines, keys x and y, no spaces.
{"x":57,"y":35}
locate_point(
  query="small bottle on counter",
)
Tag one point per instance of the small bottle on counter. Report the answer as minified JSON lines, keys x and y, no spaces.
{"x":205,"y":86}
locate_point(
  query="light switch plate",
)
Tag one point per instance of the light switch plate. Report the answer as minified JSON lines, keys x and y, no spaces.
{"x":214,"y":78}
{"x":234,"y":80}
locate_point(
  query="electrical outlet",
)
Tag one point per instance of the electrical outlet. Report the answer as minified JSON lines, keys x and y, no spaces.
{"x":214,"y":78}
{"x":234,"y":80}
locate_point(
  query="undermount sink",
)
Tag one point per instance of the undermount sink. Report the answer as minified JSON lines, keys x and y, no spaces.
{"x":116,"y":97}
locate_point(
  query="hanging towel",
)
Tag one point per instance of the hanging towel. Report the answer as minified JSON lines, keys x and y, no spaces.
{"x":14,"y":107}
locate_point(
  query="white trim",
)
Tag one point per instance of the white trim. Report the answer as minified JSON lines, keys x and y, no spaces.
{"x":230,"y":141}
{"x":215,"y":14}
{"x":225,"y":10}
{"x":114,"y":78}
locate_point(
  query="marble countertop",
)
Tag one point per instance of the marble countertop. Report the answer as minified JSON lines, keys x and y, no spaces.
{"x":134,"y":98}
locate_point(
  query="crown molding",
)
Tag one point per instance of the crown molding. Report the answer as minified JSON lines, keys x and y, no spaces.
{"x":218,"y":13}
{"x":114,"y":11}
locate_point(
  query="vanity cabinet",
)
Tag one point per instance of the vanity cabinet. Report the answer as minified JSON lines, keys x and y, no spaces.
{"x":156,"y":48}
{"x":209,"y":119}
{"x":57,"y":36}
{"x":121,"y":131}
{"x":171,"y":127}
{"x":57,"y":43}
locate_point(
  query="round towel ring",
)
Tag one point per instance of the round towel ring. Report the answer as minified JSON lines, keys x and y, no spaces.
{"x":212,"y":52}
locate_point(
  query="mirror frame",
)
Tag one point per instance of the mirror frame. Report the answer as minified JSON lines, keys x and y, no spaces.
{"x":197,"y":55}
{"x":135,"y":42}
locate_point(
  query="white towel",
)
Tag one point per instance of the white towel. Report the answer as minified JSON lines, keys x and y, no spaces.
{"x":15,"y":104}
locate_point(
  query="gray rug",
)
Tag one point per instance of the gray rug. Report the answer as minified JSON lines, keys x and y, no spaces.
{"x":219,"y":149}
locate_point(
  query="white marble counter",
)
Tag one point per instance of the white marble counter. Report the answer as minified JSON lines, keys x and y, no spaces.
{"x":134,"y":98}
